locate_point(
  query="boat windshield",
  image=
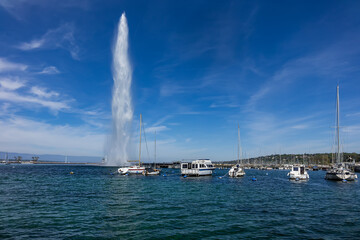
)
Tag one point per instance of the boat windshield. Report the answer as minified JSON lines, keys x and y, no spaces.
{"x":296,"y":169}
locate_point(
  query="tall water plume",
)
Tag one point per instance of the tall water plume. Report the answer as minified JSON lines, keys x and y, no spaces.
{"x":122,"y":111}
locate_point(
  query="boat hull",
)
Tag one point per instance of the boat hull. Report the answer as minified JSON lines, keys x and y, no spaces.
{"x":336,"y":176}
{"x":196,"y":172}
{"x":298,"y":176}
{"x":236,"y":173}
{"x":131,"y":170}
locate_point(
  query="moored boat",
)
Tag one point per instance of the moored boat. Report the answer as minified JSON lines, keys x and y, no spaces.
{"x":298,"y":172}
{"x":135,"y":169}
{"x":200,"y":167}
{"x":339,"y":170}
{"x":237,"y":170}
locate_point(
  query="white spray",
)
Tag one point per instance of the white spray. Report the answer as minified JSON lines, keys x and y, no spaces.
{"x":122,"y":111}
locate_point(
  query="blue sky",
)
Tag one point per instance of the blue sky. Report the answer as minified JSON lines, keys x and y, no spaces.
{"x":199,"y":69}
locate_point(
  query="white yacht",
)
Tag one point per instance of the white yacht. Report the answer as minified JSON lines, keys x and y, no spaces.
{"x":339,"y":171}
{"x":131,"y":170}
{"x":298,"y":172}
{"x":136,"y":169}
{"x":237,"y":170}
{"x":200,"y":167}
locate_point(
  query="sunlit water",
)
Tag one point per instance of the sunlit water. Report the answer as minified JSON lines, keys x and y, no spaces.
{"x":47,"y":202}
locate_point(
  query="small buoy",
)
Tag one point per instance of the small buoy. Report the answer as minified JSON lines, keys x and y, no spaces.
{"x":267,"y":174}
{"x":164,"y":175}
{"x":185,"y":176}
{"x":71,"y":172}
{"x":253,"y":179}
{"x":344,"y":180}
{"x":220,"y":177}
{"x":127,"y":174}
{"x":297,"y":179}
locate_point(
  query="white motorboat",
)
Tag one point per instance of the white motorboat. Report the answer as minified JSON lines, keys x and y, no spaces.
{"x":200,"y":167}
{"x":237,"y":170}
{"x":298,"y":172}
{"x":339,"y":171}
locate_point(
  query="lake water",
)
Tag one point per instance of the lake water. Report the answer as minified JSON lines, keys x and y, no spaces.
{"x":46,"y":202}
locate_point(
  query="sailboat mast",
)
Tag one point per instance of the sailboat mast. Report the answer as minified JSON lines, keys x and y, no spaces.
{"x":155,"y":147}
{"x":239,"y":147}
{"x":337,"y":125}
{"x":140,"y":143}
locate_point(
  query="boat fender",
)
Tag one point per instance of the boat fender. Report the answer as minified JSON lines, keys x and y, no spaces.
{"x":126,"y":174}
{"x":344,"y":180}
{"x":297,"y":179}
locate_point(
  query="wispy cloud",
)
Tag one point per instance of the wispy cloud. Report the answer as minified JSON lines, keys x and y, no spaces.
{"x":11,"y":84}
{"x":50,"y":70}
{"x":30,"y":136}
{"x":20,"y":8}
{"x":33,"y":101}
{"x":333,"y":62}
{"x":157,"y":129}
{"x":170,"y":89}
{"x":40,"y":97}
{"x":43,"y":93}
{"x":61,"y":37}
{"x":7,"y":66}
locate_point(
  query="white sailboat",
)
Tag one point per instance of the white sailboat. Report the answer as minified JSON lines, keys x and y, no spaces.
{"x":152,"y":171}
{"x":339,"y":171}
{"x":237,"y":170}
{"x":135,"y":169}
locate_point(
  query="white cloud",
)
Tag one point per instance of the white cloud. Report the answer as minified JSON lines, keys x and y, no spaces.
{"x":29,"y":136}
{"x":61,"y":37}
{"x":299,"y":126}
{"x":50,"y":70}
{"x":41,"y":92}
{"x":23,"y":99}
{"x":11,"y":84}
{"x":157,"y":129}
{"x":32,"y":45}
{"x":7,"y":66}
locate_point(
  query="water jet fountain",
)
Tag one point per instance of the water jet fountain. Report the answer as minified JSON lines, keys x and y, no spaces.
{"x":122,"y":111}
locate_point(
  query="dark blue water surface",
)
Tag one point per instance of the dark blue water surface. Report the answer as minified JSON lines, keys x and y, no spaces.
{"x":46,"y":202}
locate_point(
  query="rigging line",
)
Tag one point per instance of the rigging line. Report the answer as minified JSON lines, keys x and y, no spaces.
{"x":147,"y":149}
